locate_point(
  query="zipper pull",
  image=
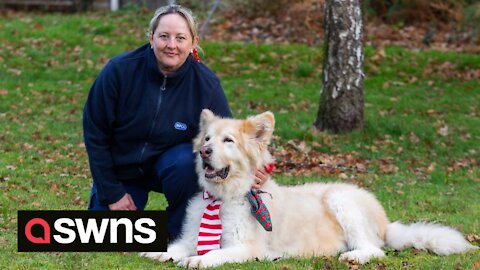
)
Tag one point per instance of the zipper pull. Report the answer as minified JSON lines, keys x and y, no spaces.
{"x":164,"y":83}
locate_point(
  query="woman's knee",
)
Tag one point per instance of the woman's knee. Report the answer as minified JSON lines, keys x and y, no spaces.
{"x":174,"y":159}
{"x":181,"y":185}
{"x":175,"y":171}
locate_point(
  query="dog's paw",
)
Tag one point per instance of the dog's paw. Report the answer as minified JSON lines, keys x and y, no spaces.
{"x":159,"y":256}
{"x":162,"y":256}
{"x":198,"y":262}
{"x":361,"y":255}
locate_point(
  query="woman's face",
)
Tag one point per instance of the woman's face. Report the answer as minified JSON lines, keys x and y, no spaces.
{"x":172,"y":42}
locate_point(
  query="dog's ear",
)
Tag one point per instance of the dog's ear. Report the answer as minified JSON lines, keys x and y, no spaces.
{"x":205,"y":118}
{"x":260,"y":126}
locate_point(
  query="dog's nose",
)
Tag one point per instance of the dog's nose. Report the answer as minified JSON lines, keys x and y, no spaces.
{"x":205,"y":151}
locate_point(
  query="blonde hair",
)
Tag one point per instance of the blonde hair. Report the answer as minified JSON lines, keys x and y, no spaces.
{"x":174,"y":9}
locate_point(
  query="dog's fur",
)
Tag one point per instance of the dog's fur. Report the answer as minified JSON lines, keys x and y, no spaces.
{"x":312,"y":219}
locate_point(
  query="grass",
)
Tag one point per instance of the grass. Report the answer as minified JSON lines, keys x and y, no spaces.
{"x":421,"y":117}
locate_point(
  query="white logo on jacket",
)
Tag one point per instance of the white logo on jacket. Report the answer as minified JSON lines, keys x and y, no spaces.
{"x":180,"y":126}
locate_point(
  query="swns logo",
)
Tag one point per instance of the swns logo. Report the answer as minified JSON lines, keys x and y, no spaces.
{"x":92,"y":231}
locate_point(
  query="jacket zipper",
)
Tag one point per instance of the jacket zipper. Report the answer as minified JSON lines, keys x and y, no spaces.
{"x":152,"y":127}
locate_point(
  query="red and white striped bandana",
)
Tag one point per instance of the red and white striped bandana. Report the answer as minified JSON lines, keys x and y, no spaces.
{"x":210,"y":226}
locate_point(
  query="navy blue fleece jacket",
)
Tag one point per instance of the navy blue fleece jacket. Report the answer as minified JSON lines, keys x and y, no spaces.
{"x":134,"y":113}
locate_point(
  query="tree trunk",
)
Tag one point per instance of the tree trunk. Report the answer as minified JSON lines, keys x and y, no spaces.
{"x":340,"y":108}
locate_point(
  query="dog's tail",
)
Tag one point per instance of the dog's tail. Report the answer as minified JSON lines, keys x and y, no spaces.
{"x":439,"y":239}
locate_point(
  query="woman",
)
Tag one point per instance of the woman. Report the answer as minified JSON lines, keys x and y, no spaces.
{"x":142,"y":113}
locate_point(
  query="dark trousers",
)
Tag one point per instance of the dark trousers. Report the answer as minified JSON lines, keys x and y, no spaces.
{"x":175,"y":177}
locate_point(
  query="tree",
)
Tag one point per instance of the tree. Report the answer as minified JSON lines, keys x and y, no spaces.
{"x":340,"y":108}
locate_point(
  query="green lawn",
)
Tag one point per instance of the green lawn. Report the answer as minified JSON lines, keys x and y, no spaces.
{"x":420,"y":144}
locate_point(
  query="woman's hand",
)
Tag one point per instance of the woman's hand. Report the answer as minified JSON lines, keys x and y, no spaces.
{"x":125,"y":203}
{"x":262,"y":176}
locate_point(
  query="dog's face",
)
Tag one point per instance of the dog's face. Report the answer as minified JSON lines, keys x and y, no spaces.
{"x":229,"y":151}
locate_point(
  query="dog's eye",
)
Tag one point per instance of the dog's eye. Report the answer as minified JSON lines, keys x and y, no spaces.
{"x":207,"y":138}
{"x":227,"y":140}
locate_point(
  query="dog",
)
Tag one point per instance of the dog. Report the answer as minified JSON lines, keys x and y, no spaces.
{"x":314,"y":219}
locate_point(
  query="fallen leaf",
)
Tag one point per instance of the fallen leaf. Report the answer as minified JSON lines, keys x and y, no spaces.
{"x":431,"y":167}
{"x":53,"y":187}
{"x":78,"y":201}
{"x":476,"y":265}
{"x":472,"y":237}
{"x":443,"y":131}
{"x":414,"y":138}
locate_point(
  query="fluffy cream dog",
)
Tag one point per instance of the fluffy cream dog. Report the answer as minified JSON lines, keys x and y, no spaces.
{"x":312,"y":219}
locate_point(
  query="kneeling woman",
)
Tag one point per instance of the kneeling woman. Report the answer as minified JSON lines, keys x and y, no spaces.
{"x":141,"y":115}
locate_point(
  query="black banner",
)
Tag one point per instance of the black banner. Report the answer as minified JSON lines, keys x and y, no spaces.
{"x":84,"y":231}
